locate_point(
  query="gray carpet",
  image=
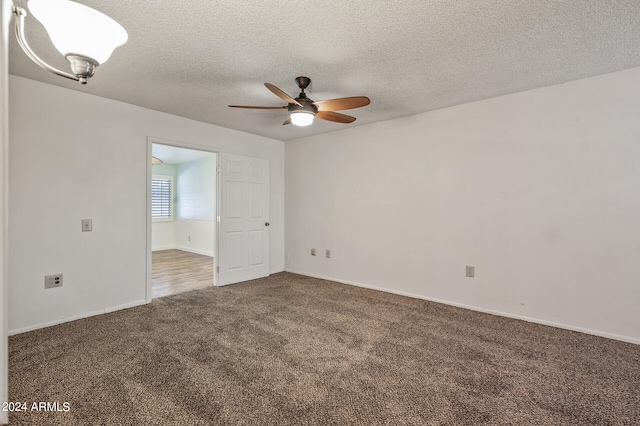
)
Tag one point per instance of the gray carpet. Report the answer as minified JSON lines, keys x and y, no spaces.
{"x":292,"y":350}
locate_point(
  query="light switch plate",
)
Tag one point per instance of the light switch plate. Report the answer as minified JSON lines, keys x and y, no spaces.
{"x":471,"y":271}
{"x":86,"y":225}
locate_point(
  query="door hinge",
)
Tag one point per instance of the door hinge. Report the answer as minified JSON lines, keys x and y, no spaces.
{"x":218,"y":269}
{"x":218,"y":168}
{"x":218,"y":219}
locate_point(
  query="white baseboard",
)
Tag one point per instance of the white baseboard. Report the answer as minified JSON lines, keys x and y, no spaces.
{"x":125,"y":306}
{"x":158,"y":248}
{"x":277,"y":271}
{"x":476,"y":308}
{"x":195,"y":250}
{"x":77,"y":317}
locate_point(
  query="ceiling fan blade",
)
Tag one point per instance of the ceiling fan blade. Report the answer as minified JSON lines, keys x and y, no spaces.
{"x":335,"y":116}
{"x":287,"y":121}
{"x":282,"y":95}
{"x":257,"y":107}
{"x":340,"y":104}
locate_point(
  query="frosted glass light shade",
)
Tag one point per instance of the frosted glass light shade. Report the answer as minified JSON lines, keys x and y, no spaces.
{"x":78,"y":29}
{"x":301,"y":118}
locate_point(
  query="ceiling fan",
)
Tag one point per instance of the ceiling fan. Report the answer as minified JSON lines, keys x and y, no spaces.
{"x":302,"y":110}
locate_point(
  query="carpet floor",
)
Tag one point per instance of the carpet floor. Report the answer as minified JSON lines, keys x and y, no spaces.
{"x":294,"y":350}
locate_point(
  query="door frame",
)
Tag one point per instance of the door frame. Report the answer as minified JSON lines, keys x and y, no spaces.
{"x":187,"y":145}
{"x":5,"y":24}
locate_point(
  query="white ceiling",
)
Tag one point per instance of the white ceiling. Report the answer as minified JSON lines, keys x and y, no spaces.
{"x":175,"y":155}
{"x":194,"y":58}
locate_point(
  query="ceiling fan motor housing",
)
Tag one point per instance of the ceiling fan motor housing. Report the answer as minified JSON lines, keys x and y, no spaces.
{"x":307,"y":106}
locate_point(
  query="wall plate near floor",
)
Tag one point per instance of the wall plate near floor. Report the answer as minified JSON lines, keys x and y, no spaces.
{"x":53,"y":281}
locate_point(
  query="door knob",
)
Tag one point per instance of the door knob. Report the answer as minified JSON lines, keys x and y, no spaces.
{"x":266,"y":224}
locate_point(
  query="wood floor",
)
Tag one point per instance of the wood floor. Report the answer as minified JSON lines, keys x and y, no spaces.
{"x":176,"y":271}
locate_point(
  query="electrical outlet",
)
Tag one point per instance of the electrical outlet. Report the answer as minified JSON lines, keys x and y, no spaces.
{"x":471,"y":271}
{"x":53,"y":281}
{"x":86,"y":225}
{"x":189,"y":238}
{"x":313,"y":252}
{"x":328,"y":254}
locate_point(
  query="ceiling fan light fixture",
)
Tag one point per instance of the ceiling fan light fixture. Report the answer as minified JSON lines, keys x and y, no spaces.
{"x":302,"y":118}
{"x":302,"y":110}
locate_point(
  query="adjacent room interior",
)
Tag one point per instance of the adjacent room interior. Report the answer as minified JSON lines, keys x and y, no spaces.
{"x":183,"y":213}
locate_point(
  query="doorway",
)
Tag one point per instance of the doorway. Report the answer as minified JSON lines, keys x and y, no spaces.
{"x":183,"y":200}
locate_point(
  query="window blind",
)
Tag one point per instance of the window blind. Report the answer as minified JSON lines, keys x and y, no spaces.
{"x":161,"y":198}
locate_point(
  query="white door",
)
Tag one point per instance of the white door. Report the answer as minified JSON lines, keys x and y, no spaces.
{"x":244,"y":219}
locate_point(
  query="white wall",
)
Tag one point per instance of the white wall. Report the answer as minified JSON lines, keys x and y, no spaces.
{"x":196,"y":206}
{"x":75,"y":156}
{"x":539,"y":190}
{"x":163,"y":233}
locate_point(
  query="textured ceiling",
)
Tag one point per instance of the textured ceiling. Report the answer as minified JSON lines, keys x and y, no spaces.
{"x":174,"y":155}
{"x":194,"y":58}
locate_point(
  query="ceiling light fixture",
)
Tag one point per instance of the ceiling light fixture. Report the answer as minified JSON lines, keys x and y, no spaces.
{"x":155,"y":161}
{"x":83,"y":35}
{"x":303,"y":110}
